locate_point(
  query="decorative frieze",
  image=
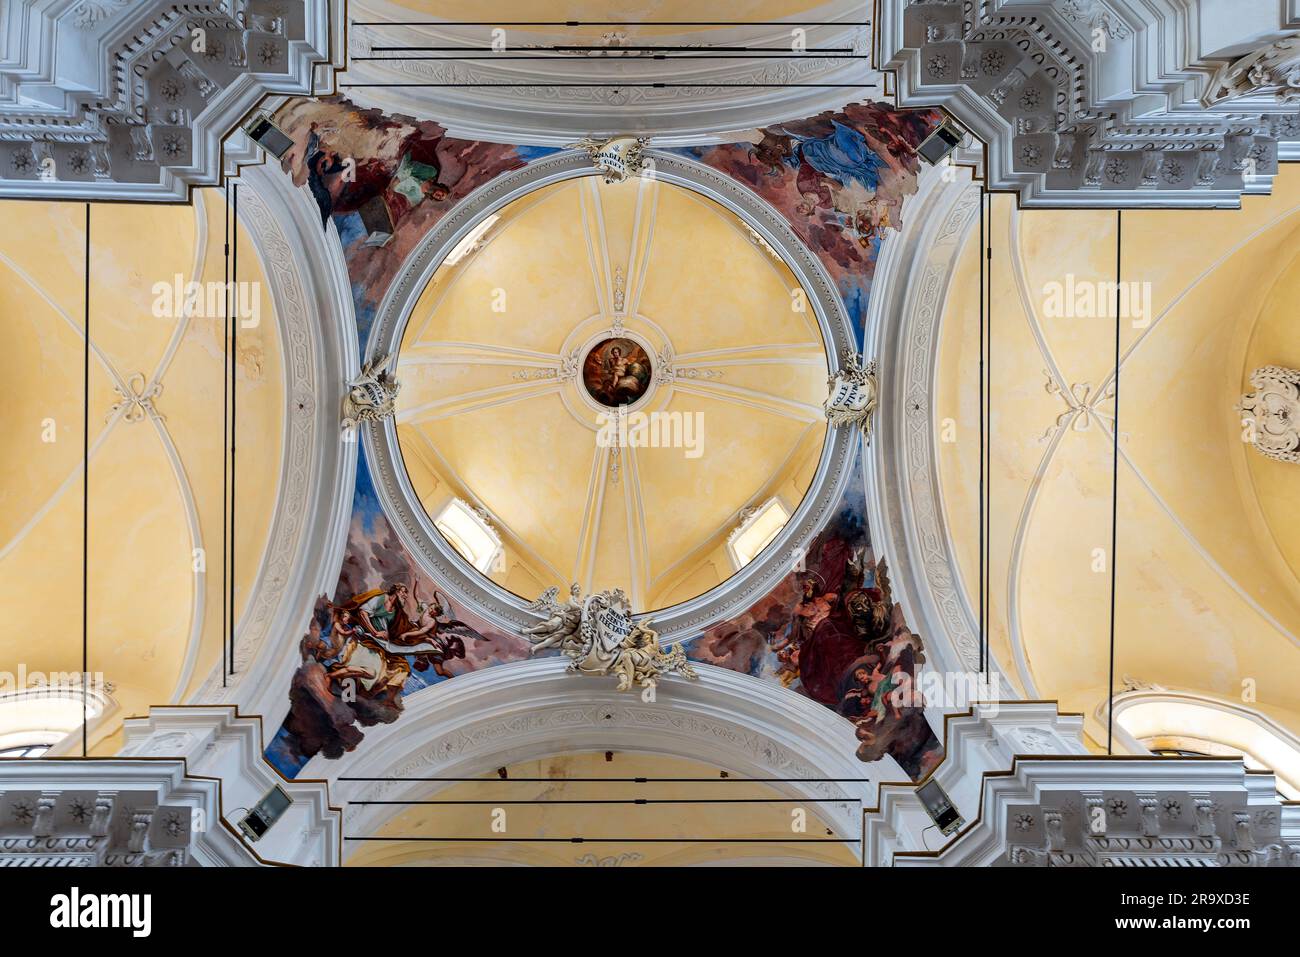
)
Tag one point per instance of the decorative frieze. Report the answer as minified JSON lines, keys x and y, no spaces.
{"x":52,"y":814}
{"x":1045,"y":802}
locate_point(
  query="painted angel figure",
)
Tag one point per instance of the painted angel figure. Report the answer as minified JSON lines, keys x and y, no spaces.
{"x":371,"y":396}
{"x":562,"y":619}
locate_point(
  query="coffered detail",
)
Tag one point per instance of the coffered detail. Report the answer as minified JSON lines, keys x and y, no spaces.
{"x":1085,"y":103}
{"x":144,"y":118}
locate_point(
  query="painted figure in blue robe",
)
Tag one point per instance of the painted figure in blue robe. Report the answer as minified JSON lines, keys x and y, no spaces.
{"x":844,"y":156}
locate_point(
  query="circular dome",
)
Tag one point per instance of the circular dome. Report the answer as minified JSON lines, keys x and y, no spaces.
{"x":617,"y":385}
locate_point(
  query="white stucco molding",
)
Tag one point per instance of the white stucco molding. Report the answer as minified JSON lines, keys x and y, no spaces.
{"x":113,"y":812}
{"x":527,"y":94}
{"x":983,"y":740}
{"x":1096,"y":102}
{"x":1032,"y":795}
{"x":132,"y":101}
{"x":217,"y":742}
{"x":414,"y":526}
{"x":309,"y":284}
{"x":905,"y":503}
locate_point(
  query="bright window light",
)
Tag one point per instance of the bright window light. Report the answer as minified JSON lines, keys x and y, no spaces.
{"x":28,"y":751}
{"x":470,"y":535}
{"x":470,"y":242}
{"x":756,"y":532}
{"x":1182,"y":721}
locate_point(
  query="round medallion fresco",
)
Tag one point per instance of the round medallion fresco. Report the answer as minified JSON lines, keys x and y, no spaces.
{"x":616,"y":372}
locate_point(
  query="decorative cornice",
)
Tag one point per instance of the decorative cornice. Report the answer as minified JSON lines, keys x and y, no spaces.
{"x":1030,"y":794}
{"x":145,"y":122}
{"x":113,"y":812}
{"x":216,"y":742}
{"x":1067,"y":98}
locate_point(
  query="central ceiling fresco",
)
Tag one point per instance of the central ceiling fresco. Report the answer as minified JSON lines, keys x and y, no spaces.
{"x":586,"y":310}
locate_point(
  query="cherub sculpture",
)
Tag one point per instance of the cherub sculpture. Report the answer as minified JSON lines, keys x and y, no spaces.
{"x":615,"y":159}
{"x":562,"y":619}
{"x":599,"y":637}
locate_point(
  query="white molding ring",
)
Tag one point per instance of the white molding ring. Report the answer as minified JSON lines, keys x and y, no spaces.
{"x":308,"y":532}
{"x":415,"y":528}
{"x":529,"y":710}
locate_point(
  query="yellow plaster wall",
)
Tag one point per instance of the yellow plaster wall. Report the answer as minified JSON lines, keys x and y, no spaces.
{"x":141,"y":586}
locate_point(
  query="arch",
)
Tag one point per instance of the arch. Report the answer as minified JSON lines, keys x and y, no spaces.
{"x":308,"y":532}
{"x":1151,"y":718}
{"x":904,"y":499}
{"x":534,"y":709}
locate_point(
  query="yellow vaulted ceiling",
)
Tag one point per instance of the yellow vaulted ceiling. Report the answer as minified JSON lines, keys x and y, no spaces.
{"x":153,"y":603}
{"x":1207,"y":593}
{"x":488,"y":414}
{"x":546,"y":803}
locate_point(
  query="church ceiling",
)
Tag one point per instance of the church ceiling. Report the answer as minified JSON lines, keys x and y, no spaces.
{"x":552,"y":407}
{"x":1206,"y":594}
{"x":532,"y":472}
{"x":582,"y":297}
{"x":157,"y":374}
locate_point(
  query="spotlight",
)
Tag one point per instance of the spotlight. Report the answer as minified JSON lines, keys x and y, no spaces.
{"x":267,"y":135}
{"x":940,"y":808}
{"x":268,"y":810}
{"x":940,"y":143}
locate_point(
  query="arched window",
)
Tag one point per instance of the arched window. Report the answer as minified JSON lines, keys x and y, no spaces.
{"x":35,"y":719}
{"x":1185,"y":724}
{"x":26,"y":750}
